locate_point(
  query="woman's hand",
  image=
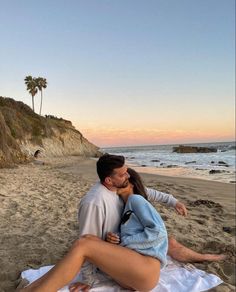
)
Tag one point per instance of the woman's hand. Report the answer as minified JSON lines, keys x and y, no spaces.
{"x":113,"y":238}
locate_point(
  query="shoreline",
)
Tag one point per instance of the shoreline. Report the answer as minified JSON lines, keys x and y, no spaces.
{"x":175,"y":172}
{"x":185,"y":172}
{"x":38,"y":215}
{"x":161,"y":159}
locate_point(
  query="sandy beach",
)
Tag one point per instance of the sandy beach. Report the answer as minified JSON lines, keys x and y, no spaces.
{"x":38,"y":216}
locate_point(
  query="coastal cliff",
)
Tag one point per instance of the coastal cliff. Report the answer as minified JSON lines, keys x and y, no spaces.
{"x":22,"y":132}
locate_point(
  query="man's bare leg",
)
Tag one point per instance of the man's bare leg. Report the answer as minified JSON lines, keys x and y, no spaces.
{"x":181,"y":253}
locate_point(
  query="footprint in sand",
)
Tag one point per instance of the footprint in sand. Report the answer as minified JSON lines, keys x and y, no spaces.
{"x":164,"y":217}
{"x":202,"y":222}
{"x":230,"y":216}
{"x":229,"y":270}
{"x":230,"y":230}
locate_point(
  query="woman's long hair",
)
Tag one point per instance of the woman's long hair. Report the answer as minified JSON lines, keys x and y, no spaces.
{"x":136,"y":181}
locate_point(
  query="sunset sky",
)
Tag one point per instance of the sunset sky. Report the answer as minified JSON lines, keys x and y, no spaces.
{"x":126,"y":72}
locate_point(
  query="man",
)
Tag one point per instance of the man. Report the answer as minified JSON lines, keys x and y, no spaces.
{"x":101,"y":208}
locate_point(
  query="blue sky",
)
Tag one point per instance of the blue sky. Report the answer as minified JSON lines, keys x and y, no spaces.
{"x":120,"y":69}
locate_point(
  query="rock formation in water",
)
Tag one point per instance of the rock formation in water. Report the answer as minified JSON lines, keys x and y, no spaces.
{"x":193,"y":149}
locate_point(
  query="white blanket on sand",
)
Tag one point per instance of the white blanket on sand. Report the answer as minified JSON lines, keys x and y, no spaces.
{"x":174,"y":276}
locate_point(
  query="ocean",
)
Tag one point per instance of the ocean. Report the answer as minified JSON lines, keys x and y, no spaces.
{"x":160,"y":159}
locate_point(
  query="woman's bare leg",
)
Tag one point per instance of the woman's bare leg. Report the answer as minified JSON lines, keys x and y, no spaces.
{"x":122,"y":264}
{"x":181,"y":253}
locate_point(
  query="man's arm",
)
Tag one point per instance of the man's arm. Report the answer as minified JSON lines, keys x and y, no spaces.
{"x":169,"y":200}
{"x":90,"y":222}
{"x":91,"y":219}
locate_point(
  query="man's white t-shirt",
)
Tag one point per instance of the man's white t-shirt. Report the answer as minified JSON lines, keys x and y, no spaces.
{"x":100,"y":212}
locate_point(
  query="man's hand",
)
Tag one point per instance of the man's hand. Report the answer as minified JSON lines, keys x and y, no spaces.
{"x":181,"y":209}
{"x":78,"y":286}
{"x":113,"y":238}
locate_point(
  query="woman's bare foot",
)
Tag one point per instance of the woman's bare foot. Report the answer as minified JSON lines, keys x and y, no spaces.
{"x":214,"y":257}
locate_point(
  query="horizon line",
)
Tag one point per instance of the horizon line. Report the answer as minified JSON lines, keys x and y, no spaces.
{"x":188,"y":143}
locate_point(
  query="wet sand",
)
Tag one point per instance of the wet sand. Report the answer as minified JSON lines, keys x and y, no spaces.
{"x":38,"y":216}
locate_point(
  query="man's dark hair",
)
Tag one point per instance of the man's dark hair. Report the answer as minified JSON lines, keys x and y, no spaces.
{"x":107,"y":163}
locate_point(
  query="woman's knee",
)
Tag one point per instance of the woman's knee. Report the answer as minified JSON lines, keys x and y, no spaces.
{"x":148,"y":278}
{"x":148,"y":283}
{"x":90,"y":237}
{"x":84,"y":241}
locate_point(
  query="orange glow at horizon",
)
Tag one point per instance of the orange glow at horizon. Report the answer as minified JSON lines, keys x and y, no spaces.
{"x":105,"y":137}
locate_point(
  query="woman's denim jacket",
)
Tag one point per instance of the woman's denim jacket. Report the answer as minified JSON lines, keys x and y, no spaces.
{"x":142,"y":229}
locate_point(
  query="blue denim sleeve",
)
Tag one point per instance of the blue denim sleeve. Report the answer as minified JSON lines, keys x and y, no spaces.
{"x":153,"y":227}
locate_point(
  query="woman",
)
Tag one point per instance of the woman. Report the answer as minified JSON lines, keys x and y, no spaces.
{"x":143,"y":246}
{"x":141,"y":226}
{"x":176,"y":250}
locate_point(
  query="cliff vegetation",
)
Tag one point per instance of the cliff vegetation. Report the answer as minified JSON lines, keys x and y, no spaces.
{"x":22,"y":132}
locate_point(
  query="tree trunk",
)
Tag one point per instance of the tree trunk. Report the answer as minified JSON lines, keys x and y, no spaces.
{"x":41,"y":102}
{"x":33,"y":102}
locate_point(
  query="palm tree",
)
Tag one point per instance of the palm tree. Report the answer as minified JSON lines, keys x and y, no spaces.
{"x":30,"y":82}
{"x":41,"y":83}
